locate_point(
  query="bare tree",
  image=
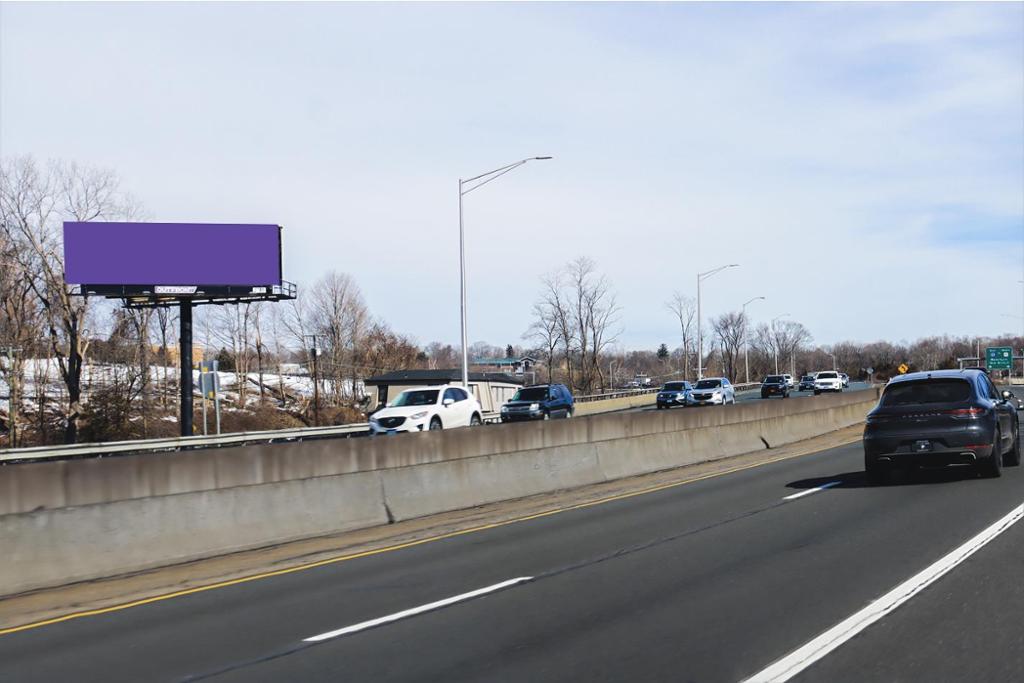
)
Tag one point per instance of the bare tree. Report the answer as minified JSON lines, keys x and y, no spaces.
{"x":19,"y":326}
{"x":164,"y":320}
{"x":33,"y":202}
{"x":684,"y":308}
{"x":729,"y":329}
{"x":339,"y":316}
{"x":544,"y":332}
{"x":576,"y":310}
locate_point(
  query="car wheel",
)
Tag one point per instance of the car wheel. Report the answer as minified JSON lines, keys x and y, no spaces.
{"x":816,"y":392}
{"x":475,"y":420}
{"x":993,"y":466}
{"x":1013,"y":457}
{"x":435,"y":424}
{"x":876,"y":473}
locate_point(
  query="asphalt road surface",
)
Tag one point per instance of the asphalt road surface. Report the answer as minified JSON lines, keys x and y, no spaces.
{"x":714,"y":580}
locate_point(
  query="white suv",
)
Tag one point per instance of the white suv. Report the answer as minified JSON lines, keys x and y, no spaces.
{"x":427,"y":409}
{"x":827,"y":380}
{"x":711,"y":391}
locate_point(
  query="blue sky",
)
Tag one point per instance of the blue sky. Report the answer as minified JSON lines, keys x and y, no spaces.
{"x":868,"y":149}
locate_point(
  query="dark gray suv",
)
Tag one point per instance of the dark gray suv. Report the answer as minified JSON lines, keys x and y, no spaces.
{"x":539,"y":402}
{"x":943,"y":417}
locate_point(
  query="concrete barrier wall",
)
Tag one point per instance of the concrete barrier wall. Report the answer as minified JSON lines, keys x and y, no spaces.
{"x":81,"y":519}
{"x":609,"y":405}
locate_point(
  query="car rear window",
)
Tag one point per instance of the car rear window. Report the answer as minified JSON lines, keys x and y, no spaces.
{"x":927,"y":391}
{"x":774,"y":379}
{"x":531,"y":394}
{"x":674,"y":386}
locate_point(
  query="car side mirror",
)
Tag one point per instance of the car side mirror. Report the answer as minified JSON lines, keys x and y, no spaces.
{"x":447,"y":402}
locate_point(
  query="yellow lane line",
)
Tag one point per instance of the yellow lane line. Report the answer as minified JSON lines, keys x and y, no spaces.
{"x":388,"y":549}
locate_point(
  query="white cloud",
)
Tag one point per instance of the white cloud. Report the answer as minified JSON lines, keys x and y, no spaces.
{"x":822,"y":137}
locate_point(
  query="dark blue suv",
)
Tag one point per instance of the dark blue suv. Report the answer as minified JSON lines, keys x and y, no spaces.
{"x":539,"y":402}
{"x":942,"y":417}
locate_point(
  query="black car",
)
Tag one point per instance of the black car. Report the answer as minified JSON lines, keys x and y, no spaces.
{"x":674,"y":394}
{"x":942,"y":417}
{"x":775,"y":385}
{"x":806,"y":383}
{"x":539,"y":402}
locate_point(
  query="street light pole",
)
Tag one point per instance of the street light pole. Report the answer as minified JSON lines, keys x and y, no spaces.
{"x":700,"y":338}
{"x":746,"y":335}
{"x":479,"y":181}
{"x":775,"y":341}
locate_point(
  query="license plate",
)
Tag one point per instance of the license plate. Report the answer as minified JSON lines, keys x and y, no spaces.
{"x":922,"y":446}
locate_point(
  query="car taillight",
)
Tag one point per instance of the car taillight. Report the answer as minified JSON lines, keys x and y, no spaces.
{"x":966,"y":413}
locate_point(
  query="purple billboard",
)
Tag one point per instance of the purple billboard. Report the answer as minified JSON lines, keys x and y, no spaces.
{"x":146,"y":254}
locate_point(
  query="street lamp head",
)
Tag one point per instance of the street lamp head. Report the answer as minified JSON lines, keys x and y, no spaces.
{"x":543,"y":158}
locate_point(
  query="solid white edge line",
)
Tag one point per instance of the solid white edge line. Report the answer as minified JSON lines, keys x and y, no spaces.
{"x":362,"y":626}
{"x":798,"y":660}
{"x":814,"y":490}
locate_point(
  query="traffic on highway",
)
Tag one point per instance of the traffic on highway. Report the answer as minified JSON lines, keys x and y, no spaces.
{"x":525,"y":342}
{"x":660,"y":580}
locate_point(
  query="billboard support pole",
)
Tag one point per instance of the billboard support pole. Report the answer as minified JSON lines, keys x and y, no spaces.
{"x":185,"y":353}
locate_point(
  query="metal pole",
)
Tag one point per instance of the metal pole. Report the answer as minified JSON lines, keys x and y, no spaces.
{"x":462,"y":294}
{"x":775,"y":347}
{"x":185,"y":355}
{"x":316,"y":384}
{"x":216,"y":403}
{"x":746,"y":355}
{"x":700,"y":339}
{"x":746,"y":335}
{"x":201,"y":388}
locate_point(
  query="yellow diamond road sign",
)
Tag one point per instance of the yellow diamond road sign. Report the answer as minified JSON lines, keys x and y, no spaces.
{"x":903,"y":368}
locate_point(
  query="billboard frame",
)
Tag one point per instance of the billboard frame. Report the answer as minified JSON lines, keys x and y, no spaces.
{"x":186,"y":297}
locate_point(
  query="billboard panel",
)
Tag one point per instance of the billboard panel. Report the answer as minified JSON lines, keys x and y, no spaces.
{"x":182,"y":254}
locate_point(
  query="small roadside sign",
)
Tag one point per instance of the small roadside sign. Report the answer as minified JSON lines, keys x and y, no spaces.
{"x":999,"y":358}
{"x":903,"y":368}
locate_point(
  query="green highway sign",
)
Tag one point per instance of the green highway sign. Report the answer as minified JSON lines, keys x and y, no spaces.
{"x":999,"y":358}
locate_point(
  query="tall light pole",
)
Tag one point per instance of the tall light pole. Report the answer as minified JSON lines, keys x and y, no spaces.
{"x":474,"y":183}
{"x":746,"y":340}
{"x":701,"y":277}
{"x":775,"y":341}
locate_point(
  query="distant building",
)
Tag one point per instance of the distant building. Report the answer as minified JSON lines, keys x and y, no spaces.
{"x":198,"y":353}
{"x":515,"y":366}
{"x":490,"y":388}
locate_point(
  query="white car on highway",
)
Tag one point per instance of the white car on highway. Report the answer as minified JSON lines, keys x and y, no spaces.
{"x":427,"y":409}
{"x":827,"y":380}
{"x":711,"y":391}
